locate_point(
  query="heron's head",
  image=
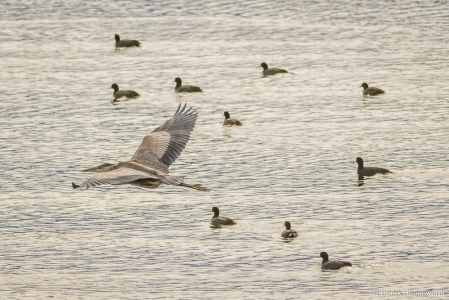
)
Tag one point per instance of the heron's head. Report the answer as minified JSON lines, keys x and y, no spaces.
{"x":102,"y":168}
{"x":364,"y":85}
{"x":227,"y":115}
{"x":117,"y":38}
{"x":264,"y":66}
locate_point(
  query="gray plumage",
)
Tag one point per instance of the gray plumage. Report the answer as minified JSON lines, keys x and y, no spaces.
{"x":149,"y":165}
{"x":125,"y":43}
{"x":373,"y":91}
{"x":230,"y":121}
{"x":124,"y":93}
{"x":271,"y":71}
{"x":369,"y":171}
{"x":289,"y":232}
{"x":218,"y":221}
{"x":334,"y":264}
{"x":179,"y":88}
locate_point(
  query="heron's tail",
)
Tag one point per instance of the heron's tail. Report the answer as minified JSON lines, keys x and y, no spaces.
{"x":197,"y":187}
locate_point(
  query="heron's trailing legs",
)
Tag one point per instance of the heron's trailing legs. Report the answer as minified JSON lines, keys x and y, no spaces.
{"x":197,"y":187}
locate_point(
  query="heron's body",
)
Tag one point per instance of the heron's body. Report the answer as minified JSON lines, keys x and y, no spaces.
{"x":271,"y":71}
{"x":149,"y":165}
{"x":125,"y":43}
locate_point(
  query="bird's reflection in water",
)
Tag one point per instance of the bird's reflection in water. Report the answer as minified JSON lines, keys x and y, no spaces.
{"x":361,"y":180}
{"x":287,"y":240}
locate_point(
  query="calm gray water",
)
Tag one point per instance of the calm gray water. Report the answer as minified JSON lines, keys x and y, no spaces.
{"x":291,"y":160}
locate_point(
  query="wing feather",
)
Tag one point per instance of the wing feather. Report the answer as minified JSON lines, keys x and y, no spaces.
{"x":161,"y":148}
{"x":115,"y":177}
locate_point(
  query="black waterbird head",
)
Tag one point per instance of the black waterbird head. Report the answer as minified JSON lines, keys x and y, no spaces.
{"x":115,"y":87}
{"x":359,"y":160}
{"x":178,"y":81}
{"x":364,"y":85}
{"x":216,"y":211}
{"x":264,"y":66}
{"x":324,"y":256}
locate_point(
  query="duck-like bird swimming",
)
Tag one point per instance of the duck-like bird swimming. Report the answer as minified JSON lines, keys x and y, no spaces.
{"x":149,"y":165}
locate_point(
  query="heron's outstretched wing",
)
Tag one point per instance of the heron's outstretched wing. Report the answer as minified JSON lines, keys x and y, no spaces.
{"x":160,"y":148}
{"x":119,"y":176}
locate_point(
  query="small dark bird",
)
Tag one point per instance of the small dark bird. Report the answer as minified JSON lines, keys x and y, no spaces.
{"x":124,"y":93}
{"x":125,"y":43}
{"x":220,"y":221}
{"x":334,"y":264}
{"x":288,"y":232}
{"x":230,"y":121}
{"x":373,"y":91}
{"x":185,"y":88}
{"x":369,"y":171}
{"x":271,"y":71}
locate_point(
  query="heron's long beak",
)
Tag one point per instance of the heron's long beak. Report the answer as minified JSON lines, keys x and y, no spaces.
{"x":106,"y":167}
{"x":95,"y":169}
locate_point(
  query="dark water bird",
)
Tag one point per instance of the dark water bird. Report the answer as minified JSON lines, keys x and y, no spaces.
{"x":373,"y":91}
{"x":220,"y":221}
{"x":271,"y":71}
{"x":369,"y":171}
{"x":124,"y":93}
{"x":125,"y":43}
{"x":288,"y":232}
{"x":230,"y":121}
{"x":149,"y":165}
{"x":334,"y":264}
{"x":179,"y":88}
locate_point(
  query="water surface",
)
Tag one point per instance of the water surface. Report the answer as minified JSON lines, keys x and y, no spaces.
{"x":291,"y":160}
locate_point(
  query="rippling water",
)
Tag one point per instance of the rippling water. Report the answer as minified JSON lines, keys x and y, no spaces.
{"x":291,"y":160}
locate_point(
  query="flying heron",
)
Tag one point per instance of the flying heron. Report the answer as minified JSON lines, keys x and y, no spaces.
{"x":149,"y":165}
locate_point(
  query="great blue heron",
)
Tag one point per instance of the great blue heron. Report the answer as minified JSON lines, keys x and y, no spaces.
{"x":149,"y":165}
